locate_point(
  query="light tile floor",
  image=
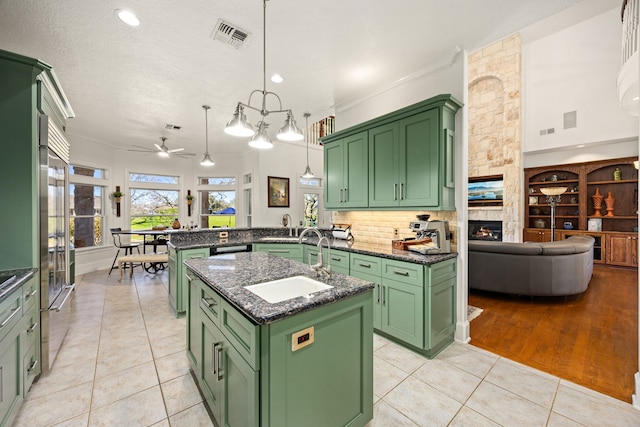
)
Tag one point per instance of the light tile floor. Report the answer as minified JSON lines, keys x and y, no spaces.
{"x":123,"y":363}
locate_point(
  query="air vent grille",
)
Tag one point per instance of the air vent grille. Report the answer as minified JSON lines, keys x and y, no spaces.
{"x":229,"y":34}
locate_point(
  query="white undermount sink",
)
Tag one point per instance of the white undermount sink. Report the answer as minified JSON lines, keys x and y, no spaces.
{"x":288,"y":239}
{"x":284,"y":289}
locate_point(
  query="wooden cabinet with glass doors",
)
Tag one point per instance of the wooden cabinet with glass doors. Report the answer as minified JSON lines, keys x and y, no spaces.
{"x":611,"y":219}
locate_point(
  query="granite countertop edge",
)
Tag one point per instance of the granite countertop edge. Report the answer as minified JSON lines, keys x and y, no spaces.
{"x":341,"y":245}
{"x":229,"y":274}
{"x":22,"y":275}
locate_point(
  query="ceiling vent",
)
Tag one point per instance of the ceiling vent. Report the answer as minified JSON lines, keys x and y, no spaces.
{"x":229,"y":34}
{"x":172,"y":127}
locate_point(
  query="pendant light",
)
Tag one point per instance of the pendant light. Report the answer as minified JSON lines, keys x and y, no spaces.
{"x":307,"y":172}
{"x":206,"y":160}
{"x":239,"y":126}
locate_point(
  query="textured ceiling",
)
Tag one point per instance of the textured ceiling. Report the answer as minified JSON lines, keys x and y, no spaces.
{"x":126,"y":83}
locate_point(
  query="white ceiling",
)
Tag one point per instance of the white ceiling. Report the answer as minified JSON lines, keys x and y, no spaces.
{"x":126,"y":83}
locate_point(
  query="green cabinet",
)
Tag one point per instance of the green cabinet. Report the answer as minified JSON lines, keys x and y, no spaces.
{"x":19,"y":347}
{"x":293,"y":251}
{"x":177,"y":281}
{"x":409,"y":161}
{"x":346,"y":172}
{"x":251,"y":375}
{"x":403,"y":160}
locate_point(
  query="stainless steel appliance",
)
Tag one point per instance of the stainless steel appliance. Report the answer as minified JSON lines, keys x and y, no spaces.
{"x":436,"y":234}
{"x":56,"y":285}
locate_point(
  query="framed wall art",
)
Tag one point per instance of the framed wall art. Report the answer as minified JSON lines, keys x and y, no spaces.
{"x":278,"y":192}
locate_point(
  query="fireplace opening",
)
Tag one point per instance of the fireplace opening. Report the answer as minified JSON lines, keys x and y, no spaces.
{"x":485,"y":230}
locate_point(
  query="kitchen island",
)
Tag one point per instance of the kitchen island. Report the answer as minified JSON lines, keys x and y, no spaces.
{"x":306,"y":360}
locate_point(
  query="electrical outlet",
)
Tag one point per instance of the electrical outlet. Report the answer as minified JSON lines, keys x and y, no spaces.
{"x":395,"y":232}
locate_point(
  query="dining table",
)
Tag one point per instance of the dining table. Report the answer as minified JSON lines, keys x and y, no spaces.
{"x":158,"y":238}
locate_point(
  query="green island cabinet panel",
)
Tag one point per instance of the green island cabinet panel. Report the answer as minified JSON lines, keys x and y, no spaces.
{"x":293,"y":251}
{"x":410,"y":156}
{"x":440,"y":305}
{"x":250,"y":375}
{"x":177,"y":281}
{"x":346,"y":172}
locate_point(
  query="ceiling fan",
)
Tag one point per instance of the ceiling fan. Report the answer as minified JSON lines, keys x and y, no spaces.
{"x":163,"y":150}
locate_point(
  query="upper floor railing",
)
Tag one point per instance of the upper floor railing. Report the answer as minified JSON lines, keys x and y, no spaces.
{"x":629,"y":28}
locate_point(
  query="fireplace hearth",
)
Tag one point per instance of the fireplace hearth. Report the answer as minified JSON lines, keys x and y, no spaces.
{"x":485,"y":230}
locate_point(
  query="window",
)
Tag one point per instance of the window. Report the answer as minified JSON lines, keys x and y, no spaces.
{"x":154,"y":200}
{"x":217,"y":202}
{"x":311,"y":189}
{"x":86,"y":204}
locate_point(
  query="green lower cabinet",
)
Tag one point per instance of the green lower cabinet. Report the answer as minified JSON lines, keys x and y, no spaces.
{"x":231,"y":385}
{"x":10,"y":376}
{"x":327,"y":383}
{"x":441,"y":303}
{"x":177,"y":281}
{"x":284,"y":250}
{"x":251,"y":375}
{"x":402,"y":311}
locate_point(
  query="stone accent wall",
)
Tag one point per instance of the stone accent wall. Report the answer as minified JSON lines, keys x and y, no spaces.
{"x":495,"y":129}
{"x":378,"y":226}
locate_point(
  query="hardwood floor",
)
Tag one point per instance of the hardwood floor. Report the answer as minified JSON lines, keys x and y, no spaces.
{"x":591,"y":339}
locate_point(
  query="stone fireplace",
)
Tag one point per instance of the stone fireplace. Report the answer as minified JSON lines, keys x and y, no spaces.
{"x":485,"y":230}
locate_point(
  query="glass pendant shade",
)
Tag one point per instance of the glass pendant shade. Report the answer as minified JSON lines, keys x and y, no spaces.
{"x":238,"y":125}
{"x":307,"y":173}
{"x":261,"y":139}
{"x":290,"y":132}
{"x":206,"y":160}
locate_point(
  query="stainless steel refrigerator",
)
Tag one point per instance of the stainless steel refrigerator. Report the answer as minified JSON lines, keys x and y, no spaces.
{"x":56,"y":285}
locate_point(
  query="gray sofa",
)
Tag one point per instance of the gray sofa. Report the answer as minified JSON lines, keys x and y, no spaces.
{"x":539,"y":269}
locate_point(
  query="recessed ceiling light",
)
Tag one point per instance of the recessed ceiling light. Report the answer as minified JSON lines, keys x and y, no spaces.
{"x":128,"y":17}
{"x":277,"y":78}
{"x":580,"y":146}
{"x":636,"y":98}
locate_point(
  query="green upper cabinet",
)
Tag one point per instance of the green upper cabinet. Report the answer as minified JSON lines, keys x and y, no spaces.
{"x":409,"y":162}
{"x":346,"y":172}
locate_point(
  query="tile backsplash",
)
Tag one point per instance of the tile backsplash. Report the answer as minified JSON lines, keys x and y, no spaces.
{"x":378,"y":226}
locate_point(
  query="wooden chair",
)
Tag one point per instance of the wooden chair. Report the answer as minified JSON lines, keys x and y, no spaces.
{"x":121,"y":244}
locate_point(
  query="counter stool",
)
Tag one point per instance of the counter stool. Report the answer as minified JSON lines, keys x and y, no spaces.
{"x":120,"y":244}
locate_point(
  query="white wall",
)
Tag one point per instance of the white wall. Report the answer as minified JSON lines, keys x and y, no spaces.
{"x":284,"y":160}
{"x":575,"y":69}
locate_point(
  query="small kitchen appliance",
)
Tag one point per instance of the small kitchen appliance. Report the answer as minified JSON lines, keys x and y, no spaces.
{"x":437,"y":231}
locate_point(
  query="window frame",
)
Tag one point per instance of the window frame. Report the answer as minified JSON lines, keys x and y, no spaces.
{"x":103,"y":183}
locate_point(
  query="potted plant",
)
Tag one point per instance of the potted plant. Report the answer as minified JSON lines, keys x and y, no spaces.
{"x":116,"y":196}
{"x":189,"y":199}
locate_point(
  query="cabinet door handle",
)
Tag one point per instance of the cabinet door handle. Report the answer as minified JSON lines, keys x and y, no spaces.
{"x":364,"y":265}
{"x":33,"y":366}
{"x":214,"y":361}
{"x":395,"y":191}
{"x":378,"y":292}
{"x":336,"y":259}
{"x":383,"y":298}
{"x":13,"y":314}
{"x":30,"y":294}
{"x":346,"y":194}
{"x":278,"y":251}
{"x":402,"y":191}
{"x":209,"y":302}
{"x":220,"y":375}
{"x":401,"y":273}
{"x":32,"y":328}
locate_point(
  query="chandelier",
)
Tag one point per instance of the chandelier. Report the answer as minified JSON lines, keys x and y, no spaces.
{"x":239,"y":126}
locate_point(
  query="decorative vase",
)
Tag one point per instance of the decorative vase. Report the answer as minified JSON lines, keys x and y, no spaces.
{"x":176,"y":224}
{"x":617,"y":175}
{"x":609,"y":202}
{"x":597,"y":202}
{"x":117,"y":199}
{"x":188,"y":201}
{"x":540,"y":223}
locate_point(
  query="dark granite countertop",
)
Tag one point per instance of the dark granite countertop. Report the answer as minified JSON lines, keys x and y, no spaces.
{"x":229,"y":274}
{"x":245,"y":236}
{"x":22,"y":275}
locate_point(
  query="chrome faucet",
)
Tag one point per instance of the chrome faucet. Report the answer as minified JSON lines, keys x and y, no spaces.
{"x":288,"y":222}
{"x":318,"y":267}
